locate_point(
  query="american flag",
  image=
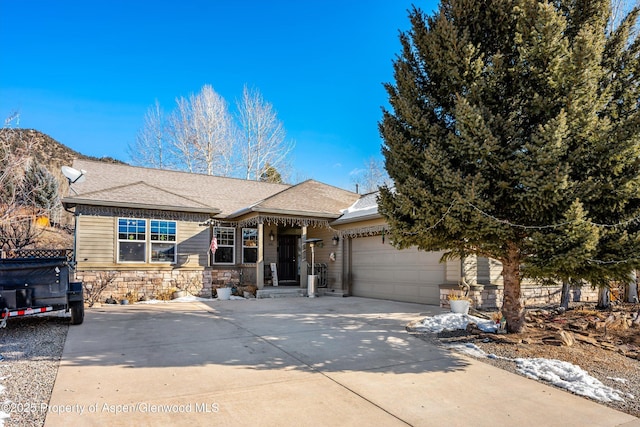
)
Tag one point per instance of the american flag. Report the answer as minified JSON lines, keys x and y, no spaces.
{"x":214,"y":245}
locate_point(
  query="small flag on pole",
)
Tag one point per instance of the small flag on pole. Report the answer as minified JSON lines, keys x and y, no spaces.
{"x":214,"y":245}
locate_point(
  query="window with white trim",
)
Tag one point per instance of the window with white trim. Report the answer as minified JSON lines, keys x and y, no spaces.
{"x":163,"y":241}
{"x":135,"y":234}
{"x":249,"y":245}
{"x":132,"y":240}
{"x":226,"y":240}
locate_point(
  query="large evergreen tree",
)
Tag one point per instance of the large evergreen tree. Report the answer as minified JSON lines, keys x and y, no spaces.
{"x":514,"y":134}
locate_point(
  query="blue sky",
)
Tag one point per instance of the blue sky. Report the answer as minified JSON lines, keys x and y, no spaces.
{"x":85,"y":72}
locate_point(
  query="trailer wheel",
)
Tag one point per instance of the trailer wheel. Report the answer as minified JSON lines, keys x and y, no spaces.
{"x":77,"y":312}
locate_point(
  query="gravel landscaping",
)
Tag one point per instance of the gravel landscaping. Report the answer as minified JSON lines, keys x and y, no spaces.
{"x":31,"y":349}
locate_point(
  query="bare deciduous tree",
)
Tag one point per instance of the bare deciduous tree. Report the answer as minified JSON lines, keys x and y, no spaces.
{"x":262,"y":135}
{"x":372,"y":176}
{"x":150,"y":147}
{"x":27,"y":190}
{"x":214,"y":145}
{"x":181,"y":134}
{"x":201,"y":136}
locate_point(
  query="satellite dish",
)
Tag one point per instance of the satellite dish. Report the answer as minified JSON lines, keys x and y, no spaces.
{"x":74,"y":175}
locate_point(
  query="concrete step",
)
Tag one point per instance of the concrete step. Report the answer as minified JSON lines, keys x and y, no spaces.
{"x":326,"y":292}
{"x":281,"y":293}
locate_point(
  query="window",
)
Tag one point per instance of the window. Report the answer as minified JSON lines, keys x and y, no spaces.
{"x":132,"y":237}
{"x":163,"y":241}
{"x":249,"y":245}
{"x":226,"y":239}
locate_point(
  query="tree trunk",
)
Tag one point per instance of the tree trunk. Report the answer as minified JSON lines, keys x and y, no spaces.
{"x":564,"y":298}
{"x":632,"y":287}
{"x":512,"y":307}
{"x":603,"y":298}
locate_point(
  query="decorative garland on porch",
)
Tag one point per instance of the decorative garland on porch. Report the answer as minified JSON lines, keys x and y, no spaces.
{"x":364,"y":231}
{"x":285,"y":221}
{"x":141,"y":213}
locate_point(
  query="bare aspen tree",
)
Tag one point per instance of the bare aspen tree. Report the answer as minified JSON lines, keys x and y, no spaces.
{"x":182,"y":135}
{"x":200,"y":136}
{"x":150,"y":147}
{"x":262,"y":135}
{"x":371,"y":177}
{"x":214,"y":146}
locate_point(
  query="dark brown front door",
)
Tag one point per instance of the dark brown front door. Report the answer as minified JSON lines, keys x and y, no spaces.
{"x":287,"y":259}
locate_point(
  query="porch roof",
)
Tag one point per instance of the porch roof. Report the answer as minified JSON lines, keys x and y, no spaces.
{"x":307,"y":199}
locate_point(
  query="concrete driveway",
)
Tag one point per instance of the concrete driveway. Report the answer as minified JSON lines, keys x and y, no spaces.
{"x":290,"y":361}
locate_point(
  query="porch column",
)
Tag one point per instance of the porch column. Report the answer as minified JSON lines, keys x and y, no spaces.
{"x":260,"y":260}
{"x":303,"y":258}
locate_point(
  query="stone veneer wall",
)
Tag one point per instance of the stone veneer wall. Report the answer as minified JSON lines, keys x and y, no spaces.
{"x":489,"y":297}
{"x":151,"y":284}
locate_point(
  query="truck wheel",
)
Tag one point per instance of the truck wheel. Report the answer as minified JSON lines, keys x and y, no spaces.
{"x":77,"y":312}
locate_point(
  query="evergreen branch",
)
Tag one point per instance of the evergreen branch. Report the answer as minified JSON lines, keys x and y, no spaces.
{"x":551,"y":226}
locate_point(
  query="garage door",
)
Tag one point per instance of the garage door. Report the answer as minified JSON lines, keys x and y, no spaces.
{"x":381,"y":271}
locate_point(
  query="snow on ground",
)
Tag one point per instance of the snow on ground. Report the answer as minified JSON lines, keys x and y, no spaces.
{"x":454,"y":321}
{"x":569,"y":376}
{"x":561,"y":374}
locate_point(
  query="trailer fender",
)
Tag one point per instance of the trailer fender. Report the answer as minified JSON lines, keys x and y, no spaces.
{"x":75,"y":292}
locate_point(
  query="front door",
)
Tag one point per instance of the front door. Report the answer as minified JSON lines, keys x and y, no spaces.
{"x":287,"y":260}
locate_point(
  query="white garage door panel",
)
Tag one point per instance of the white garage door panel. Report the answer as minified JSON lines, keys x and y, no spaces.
{"x":381,"y":271}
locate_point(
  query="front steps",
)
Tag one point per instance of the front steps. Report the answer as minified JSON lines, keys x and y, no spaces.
{"x":295,"y":292}
{"x":278,"y":292}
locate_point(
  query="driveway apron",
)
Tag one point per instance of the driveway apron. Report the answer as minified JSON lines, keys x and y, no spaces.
{"x":290,"y":361}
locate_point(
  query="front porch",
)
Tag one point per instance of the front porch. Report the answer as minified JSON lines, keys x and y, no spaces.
{"x":283,"y":256}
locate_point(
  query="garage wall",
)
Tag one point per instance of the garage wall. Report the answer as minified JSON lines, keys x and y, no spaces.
{"x":378,"y":270}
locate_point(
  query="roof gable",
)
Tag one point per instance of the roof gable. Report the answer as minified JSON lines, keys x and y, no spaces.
{"x":113,"y":183}
{"x":142,"y":195}
{"x":309,"y":197}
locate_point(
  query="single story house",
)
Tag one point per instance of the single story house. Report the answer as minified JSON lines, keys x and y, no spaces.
{"x":147,"y":231}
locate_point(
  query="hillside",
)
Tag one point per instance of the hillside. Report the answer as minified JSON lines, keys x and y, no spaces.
{"x":45,"y":149}
{"x":53,"y":155}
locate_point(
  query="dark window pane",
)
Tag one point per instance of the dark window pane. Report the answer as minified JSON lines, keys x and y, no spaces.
{"x":163,"y":252}
{"x":250,"y":255}
{"x":224,"y":255}
{"x":131,"y":251}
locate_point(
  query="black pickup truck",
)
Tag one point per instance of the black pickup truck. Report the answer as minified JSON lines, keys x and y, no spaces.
{"x":39,"y":282}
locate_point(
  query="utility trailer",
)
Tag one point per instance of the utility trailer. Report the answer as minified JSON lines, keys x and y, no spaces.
{"x":38,"y":281}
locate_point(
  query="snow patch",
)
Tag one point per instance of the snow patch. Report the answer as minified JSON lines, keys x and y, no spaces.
{"x":559,"y":373}
{"x":569,"y":376}
{"x":454,"y":321}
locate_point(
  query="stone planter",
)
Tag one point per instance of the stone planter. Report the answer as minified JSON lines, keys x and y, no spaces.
{"x":460,"y":306}
{"x":224,"y":293}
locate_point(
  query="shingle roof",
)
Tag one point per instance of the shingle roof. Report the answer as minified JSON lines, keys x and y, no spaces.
{"x":311,"y":197}
{"x":123,"y":185}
